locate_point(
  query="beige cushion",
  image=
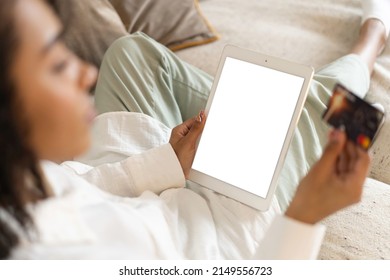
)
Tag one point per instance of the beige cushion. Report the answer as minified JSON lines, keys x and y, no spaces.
{"x":91,"y":27}
{"x":174,"y":23}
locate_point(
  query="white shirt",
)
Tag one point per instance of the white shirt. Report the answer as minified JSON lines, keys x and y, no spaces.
{"x":126,"y":199}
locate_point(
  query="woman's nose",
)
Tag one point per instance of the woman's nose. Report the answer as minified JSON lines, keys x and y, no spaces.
{"x":88,"y":76}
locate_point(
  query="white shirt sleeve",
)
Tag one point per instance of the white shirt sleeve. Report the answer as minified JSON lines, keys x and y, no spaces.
{"x":129,"y":154}
{"x":154,"y":170}
{"x":288,"y":239}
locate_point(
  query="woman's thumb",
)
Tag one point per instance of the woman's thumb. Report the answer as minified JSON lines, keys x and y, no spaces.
{"x":197,"y":127}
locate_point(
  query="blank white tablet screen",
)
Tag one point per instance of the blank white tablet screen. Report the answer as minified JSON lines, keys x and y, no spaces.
{"x":247,"y":125}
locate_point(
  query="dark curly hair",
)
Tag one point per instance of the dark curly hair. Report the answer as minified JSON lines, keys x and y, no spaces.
{"x":19,"y":167}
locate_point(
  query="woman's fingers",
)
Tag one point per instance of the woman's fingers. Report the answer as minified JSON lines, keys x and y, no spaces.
{"x":342,"y":163}
{"x":333,"y":150}
{"x":351,"y":151}
{"x":183,"y":129}
{"x":197,"y":127}
{"x":347,"y":158}
{"x":362,"y":162}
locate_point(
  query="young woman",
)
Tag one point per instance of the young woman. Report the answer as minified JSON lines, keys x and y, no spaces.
{"x":59,"y":211}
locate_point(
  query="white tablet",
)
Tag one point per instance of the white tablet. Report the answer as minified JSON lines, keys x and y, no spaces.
{"x":253,"y":109}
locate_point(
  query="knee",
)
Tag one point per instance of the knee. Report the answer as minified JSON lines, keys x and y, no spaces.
{"x":135,"y":47}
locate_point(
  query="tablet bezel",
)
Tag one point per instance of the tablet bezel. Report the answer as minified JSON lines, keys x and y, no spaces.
{"x":304,"y":71}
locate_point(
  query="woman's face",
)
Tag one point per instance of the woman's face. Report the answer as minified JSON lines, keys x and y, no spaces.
{"x":51,"y":84}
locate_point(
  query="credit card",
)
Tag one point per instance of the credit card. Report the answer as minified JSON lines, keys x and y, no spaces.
{"x":359,"y":119}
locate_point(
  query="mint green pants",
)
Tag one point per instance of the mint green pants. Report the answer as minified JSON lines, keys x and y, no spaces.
{"x":140,"y":75}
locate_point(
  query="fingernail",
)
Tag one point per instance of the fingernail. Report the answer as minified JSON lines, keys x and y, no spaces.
{"x":199,"y":117}
{"x":335,"y":135}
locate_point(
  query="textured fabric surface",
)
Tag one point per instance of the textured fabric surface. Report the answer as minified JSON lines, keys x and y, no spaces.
{"x":177,"y":25}
{"x":361,"y":231}
{"x":91,"y":27}
{"x":315,"y":33}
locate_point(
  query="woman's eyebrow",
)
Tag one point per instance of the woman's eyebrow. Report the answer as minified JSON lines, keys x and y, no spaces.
{"x":53,"y":41}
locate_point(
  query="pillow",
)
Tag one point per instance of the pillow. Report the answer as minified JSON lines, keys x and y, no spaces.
{"x":175,"y":23}
{"x":91,"y":26}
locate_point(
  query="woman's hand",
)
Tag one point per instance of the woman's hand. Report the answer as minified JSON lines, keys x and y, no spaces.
{"x":183,"y":140}
{"x":334,"y":182}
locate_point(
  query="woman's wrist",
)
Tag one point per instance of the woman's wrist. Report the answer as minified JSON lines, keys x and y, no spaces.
{"x":301,"y":213}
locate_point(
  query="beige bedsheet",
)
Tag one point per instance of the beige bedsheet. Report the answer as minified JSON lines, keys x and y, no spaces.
{"x":314,"y":32}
